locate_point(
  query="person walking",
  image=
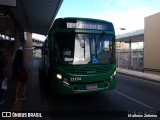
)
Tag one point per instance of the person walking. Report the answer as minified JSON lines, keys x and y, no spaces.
{"x":19,"y":75}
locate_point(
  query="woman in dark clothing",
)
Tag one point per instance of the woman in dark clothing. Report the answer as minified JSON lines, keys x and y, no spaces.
{"x":19,"y":75}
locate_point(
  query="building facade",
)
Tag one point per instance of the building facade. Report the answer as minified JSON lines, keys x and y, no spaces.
{"x":152,"y":44}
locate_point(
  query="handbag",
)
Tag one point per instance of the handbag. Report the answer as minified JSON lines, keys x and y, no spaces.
{"x":4,"y":84}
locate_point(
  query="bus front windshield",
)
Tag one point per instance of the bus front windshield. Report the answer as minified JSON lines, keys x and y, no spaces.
{"x":81,"y":49}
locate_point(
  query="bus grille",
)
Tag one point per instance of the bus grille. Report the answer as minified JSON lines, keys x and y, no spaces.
{"x":84,"y":86}
{"x":89,"y":70}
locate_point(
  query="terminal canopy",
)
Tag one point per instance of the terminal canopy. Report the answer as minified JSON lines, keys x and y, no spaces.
{"x":35,"y":16}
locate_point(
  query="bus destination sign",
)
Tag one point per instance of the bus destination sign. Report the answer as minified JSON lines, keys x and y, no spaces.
{"x":87,"y":25}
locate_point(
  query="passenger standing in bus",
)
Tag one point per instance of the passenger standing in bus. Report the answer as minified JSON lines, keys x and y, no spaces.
{"x":19,"y":75}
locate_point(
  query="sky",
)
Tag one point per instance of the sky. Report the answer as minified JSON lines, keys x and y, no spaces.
{"x":128,"y":14}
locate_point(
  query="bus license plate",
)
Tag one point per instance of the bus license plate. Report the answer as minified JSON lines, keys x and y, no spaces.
{"x":91,"y":87}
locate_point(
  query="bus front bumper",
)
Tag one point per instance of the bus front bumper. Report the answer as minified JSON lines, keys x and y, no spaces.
{"x":63,"y":88}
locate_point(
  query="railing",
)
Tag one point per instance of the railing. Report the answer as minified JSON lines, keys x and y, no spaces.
{"x":130,"y":59}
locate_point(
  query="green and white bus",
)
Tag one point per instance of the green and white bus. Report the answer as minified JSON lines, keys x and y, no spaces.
{"x":79,"y":55}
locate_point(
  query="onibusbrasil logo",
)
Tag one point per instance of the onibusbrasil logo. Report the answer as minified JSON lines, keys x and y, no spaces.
{"x":21,"y":114}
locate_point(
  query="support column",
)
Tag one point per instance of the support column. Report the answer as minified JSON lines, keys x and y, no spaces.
{"x":130,"y":47}
{"x":28,"y":51}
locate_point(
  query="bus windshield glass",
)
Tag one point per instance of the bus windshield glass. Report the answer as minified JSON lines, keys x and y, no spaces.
{"x":84,"y":48}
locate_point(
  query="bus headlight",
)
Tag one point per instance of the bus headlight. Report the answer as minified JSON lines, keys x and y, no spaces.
{"x":59,"y":76}
{"x":65,"y":80}
{"x":112,"y":76}
{"x":114,"y":73}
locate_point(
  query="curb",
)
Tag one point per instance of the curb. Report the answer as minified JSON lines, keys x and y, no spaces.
{"x":140,"y":76}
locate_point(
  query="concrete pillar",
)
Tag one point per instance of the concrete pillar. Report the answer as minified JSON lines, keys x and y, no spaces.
{"x":130,"y":48}
{"x":28,"y":51}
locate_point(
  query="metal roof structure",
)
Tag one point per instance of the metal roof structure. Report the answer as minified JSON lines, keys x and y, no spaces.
{"x":134,"y":36}
{"x":35,"y":16}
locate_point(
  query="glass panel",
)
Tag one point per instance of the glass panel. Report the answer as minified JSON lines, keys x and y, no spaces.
{"x":64,"y":48}
{"x":80,"y":49}
{"x":101,"y":49}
